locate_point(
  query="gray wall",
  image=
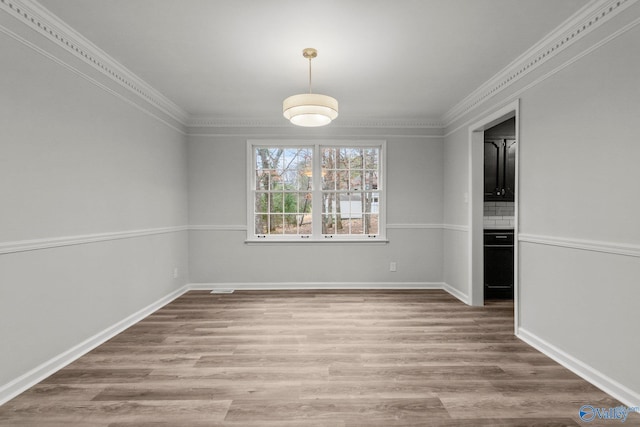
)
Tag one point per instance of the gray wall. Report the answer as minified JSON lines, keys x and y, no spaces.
{"x":455,"y":212}
{"x":217,"y":203}
{"x":578,"y":158}
{"x":579,"y":249}
{"x":82,"y":174}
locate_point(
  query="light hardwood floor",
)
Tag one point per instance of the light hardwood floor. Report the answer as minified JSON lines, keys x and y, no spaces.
{"x":313,"y":358}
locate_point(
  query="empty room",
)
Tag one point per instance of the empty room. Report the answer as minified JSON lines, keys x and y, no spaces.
{"x":303,"y":213}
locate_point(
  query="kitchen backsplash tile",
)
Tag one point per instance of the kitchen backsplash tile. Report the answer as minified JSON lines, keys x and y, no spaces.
{"x":499,"y":214}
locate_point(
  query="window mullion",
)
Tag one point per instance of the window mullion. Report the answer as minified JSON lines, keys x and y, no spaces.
{"x":316,"y":207}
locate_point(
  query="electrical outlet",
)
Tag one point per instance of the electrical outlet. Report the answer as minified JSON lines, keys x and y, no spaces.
{"x":393,"y":266}
{"x":175,"y":272}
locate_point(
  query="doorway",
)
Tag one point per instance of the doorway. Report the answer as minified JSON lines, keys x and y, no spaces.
{"x":477,"y":202}
{"x":500,"y":147}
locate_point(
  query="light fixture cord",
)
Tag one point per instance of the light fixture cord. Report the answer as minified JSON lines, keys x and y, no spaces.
{"x":309,"y":75}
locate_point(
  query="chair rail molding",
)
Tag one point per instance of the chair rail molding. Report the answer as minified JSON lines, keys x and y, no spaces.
{"x":455,"y":227}
{"x":393,"y":226}
{"x":215,"y":227}
{"x":55,"y":242}
{"x":614,"y":248}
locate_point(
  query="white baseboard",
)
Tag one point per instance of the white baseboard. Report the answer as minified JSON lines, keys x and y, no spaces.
{"x":595,"y":377}
{"x":273,"y":286}
{"x":457,"y":293}
{"x":22,"y":383}
{"x":279,"y":286}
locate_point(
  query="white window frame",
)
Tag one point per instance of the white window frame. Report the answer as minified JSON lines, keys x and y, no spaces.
{"x":316,"y":236}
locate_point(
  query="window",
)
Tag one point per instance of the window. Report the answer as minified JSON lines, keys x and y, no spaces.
{"x":316,"y":191}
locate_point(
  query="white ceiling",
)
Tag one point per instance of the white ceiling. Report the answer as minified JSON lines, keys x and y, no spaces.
{"x":382,"y":59}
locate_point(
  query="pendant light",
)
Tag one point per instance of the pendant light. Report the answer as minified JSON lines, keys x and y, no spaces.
{"x":310,"y":109}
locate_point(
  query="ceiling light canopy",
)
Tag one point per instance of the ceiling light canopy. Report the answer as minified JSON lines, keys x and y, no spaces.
{"x":310,"y":109}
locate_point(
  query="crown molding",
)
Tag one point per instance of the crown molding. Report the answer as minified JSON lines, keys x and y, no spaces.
{"x":216,"y":122}
{"x":426,"y":123}
{"x":213,"y":122}
{"x":36,"y":17}
{"x":45,"y":23}
{"x":590,"y":17}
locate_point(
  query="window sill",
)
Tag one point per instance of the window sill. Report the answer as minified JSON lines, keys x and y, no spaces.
{"x":380,"y":241}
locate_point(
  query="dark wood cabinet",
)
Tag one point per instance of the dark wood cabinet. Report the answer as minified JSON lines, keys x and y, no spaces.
{"x":498,"y":264}
{"x":499,"y":169}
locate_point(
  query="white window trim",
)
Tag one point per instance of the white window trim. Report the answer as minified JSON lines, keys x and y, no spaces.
{"x":317,"y":237}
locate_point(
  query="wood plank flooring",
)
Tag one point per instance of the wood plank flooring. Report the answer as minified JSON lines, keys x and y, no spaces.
{"x":313,"y":358}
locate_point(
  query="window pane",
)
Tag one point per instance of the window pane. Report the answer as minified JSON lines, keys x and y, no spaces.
{"x":375,"y":203}
{"x":305,"y":180}
{"x":261,"y":224}
{"x":342,"y":180}
{"x":369,"y":202}
{"x":276,"y":224}
{"x":343,"y":226}
{"x":291,"y":224}
{"x":305,"y":169}
{"x":297,"y":168}
{"x":355,"y":158}
{"x":349,"y":189}
{"x":354,"y":170}
{"x":371,"y":158}
{"x":326,"y":155}
{"x":371,"y":224}
{"x":333,"y":179}
{"x":291,"y":202}
{"x":283,"y":168}
{"x":262,"y":202}
{"x":343,"y":207}
{"x":371,"y":180}
{"x":305,"y":205}
{"x":262,"y":180}
{"x":342,"y":158}
{"x":284,"y":213}
{"x":330,"y":202}
{"x":275,"y":204}
{"x":328,"y":179}
{"x":355,"y":180}
{"x":328,"y":224}
{"x":267,"y":157}
{"x":276,"y":181}
{"x":304,"y":224}
{"x":328,"y":167}
{"x":328,"y":158}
